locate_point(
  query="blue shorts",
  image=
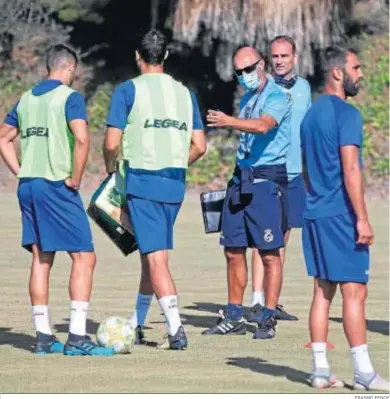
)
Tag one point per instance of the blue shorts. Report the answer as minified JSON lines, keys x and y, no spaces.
{"x":53,"y":217}
{"x":330,"y":250}
{"x":257,"y":221}
{"x":152,"y":223}
{"x":296,"y":199}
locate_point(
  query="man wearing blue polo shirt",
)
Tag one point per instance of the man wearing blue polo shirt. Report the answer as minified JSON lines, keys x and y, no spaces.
{"x":253,"y":211}
{"x":336,"y":232}
{"x":284,"y":57}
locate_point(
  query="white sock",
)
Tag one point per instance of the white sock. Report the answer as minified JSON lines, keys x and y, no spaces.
{"x":78,"y":317}
{"x":319,"y":355}
{"x":141,"y":310}
{"x":170,"y":308}
{"x":361,"y":359}
{"x":41,"y":322}
{"x":258,"y":297}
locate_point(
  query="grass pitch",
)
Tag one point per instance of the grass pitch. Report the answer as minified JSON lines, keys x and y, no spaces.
{"x":211,"y":364}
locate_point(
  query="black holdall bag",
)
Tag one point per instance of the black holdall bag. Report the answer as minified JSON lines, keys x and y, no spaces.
{"x":108,"y":209}
{"x":212,"y":205}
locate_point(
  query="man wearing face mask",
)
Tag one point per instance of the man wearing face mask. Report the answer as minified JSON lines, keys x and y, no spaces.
{"x":52,"y":121}
{"x":154,"y":121}
{"x":336,"y":231}
{"x":253,"y":214}
{"x":284,"y":57}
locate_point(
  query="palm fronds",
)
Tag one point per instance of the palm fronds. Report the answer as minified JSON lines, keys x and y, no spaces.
{"x":224,"y":25}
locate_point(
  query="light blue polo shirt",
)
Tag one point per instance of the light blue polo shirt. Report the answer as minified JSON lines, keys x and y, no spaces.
{"x":270,"y":148}
{"x":301,"y":102}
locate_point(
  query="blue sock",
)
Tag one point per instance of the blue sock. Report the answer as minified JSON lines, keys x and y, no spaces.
{"x":234,"y":312}
{"x":267,"y":313}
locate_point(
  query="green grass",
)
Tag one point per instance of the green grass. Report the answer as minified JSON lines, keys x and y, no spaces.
{"x":211,"y":364}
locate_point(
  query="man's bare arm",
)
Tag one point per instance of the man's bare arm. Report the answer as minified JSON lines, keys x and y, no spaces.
{"x":260,"y":125}
{"x":111,"y":148}
{"x":8,"y":134}
{"x":80,"y":131}
{"x":198,"y":146}
{"x":353,"y":181}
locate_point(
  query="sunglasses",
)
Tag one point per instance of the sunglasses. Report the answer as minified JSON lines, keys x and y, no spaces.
{"x":247,"y":69}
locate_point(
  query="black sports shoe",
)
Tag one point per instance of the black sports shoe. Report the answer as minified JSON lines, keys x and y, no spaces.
{"x":255,"y":313}
{"x":139,"y":336}
{"x":79,"y":345}
{"x":46,"y":344}
{"x":266,"y":329}
{"x":281,"y":314}
{"x":177,"y":341}
{"x":226,"y":326}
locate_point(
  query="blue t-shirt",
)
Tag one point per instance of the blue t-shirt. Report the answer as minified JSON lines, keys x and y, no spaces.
{"x":270,"y":148}
{"x":329,"y":124}
{"x":301,"y":102}
{"x":165,"y":185}
{"x":74,"y":108}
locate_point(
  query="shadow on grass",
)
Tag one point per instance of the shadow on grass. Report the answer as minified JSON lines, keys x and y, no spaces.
{"x":16,"y":339}
{"x":92,"y":326}
{"x":206,"y":307}
{"x":375,"y":326}
{"x":203,"y":321}
{"x":261,"y":366}
{"x":212,"y":307}
{"x":26,"y":342}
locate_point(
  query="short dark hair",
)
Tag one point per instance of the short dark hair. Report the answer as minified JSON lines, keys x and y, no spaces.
{"x":58,"y":55}
{"x":153,"y":47}
{"x":284,"y":38}
{"x":336,"y":57}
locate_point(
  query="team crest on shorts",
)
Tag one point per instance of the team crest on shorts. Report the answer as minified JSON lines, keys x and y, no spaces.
{"x":268,"y":236}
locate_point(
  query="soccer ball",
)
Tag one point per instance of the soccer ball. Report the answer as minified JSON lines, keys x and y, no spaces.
{"x":115,"y":332}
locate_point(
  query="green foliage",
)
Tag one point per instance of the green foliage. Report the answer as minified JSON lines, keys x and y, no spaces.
{"x":373,"y":102}
{"x":98,"y":107}
{"x":216,"y":165}
{"x":207,"y":168}
{"x":10,"y":90}
{"x":72,"y":10}
{"x":11,"y":86}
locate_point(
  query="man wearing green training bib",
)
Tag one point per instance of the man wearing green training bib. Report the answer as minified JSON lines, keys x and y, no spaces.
{"x":51,"y":120}
{"x":154,"y":121}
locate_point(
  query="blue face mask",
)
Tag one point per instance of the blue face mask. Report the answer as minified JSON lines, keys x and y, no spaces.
{"x":250,"y":81}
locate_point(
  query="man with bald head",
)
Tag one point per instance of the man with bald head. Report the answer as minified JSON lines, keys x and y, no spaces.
{"x":253,"y":213}
{"x":51,"y":119}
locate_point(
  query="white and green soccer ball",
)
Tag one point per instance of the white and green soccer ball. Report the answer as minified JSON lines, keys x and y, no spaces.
{"x":116,"y":332}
